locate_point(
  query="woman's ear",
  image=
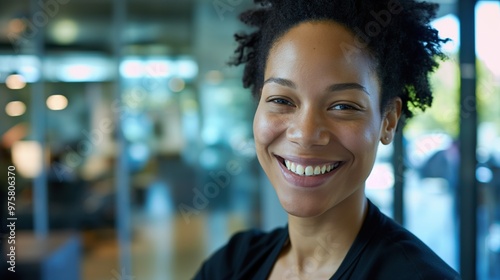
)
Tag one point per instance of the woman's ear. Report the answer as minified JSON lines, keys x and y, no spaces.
{"x":390,"y":122}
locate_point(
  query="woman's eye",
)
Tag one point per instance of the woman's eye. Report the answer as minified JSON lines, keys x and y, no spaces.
{"x":343,"y":107}
{"x":281,"y":101}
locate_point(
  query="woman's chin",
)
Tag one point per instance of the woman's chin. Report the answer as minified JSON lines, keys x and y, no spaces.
{"x":302,"y":209}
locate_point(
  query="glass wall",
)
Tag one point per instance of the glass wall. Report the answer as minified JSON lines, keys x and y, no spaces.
{"x":431,"y":179}
{"x":432,"y":157}
{"x":488,"y":152}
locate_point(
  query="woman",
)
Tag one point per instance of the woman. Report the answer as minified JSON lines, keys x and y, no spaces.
{"x":331,"y":79}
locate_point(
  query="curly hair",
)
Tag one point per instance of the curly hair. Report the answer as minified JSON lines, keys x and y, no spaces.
{"x":395,"y":33}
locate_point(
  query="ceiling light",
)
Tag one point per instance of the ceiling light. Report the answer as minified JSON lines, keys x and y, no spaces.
{"x":57,"y":102}
{"x":27,"y":157}
{"x":159,"y":68}
{"x":65,"y":31}
{"x":15,"y":81}
{"x":77,"y":73}
{"x":187,"y":68}
{"x":15,"y":108}
{"x":132,"y":68}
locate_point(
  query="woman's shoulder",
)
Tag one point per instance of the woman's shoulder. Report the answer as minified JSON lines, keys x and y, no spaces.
{"x":245,"y":251}
{"x":394,"y":251}
{"x":401,"y":254}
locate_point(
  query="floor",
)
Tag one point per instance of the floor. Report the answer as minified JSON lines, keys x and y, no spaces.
{"x":161,"y":248}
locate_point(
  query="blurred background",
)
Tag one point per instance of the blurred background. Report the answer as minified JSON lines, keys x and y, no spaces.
{"x":133,"y":152}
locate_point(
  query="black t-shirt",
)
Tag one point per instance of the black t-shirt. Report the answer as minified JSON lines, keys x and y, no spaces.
{"x":382,"y":250}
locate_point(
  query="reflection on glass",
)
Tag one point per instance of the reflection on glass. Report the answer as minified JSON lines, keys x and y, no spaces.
{"x":488,"y":152}
{"x":431,"y":195}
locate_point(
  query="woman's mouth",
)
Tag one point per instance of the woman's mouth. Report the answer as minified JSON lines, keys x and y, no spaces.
{"x":310,"y":170}
{"x":308,"y":173}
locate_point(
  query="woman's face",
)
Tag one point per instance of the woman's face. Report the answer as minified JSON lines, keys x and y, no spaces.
{"x":318,"y":122}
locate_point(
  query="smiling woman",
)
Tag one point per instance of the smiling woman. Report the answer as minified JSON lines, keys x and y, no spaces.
{"x":325,"y":101}
{"x":326,"y":115}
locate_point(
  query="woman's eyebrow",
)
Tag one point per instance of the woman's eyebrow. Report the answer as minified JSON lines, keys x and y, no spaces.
{"x":347,"y":86}
{"x":332,"y":88}
{"x":281,"y":81}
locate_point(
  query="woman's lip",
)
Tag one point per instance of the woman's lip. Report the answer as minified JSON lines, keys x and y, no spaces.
{"x":305,"y":181}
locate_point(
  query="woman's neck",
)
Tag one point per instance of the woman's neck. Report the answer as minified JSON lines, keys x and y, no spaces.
{"x":321,"y":243}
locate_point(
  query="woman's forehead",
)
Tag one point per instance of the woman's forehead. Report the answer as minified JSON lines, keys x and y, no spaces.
{"x":316,"y":52}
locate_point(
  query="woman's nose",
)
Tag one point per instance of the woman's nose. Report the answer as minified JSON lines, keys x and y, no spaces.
{"x":308,"y":129}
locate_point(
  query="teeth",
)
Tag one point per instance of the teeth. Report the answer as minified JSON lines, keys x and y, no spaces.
{"x":300,"y":169}
{"x":310,"y":170}
{"x":317,"y":170}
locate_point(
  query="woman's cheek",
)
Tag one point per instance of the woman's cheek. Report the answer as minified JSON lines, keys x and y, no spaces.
{"x":358,"y":139}
{"x":267,"y":127}
{"x":372,"y":133}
